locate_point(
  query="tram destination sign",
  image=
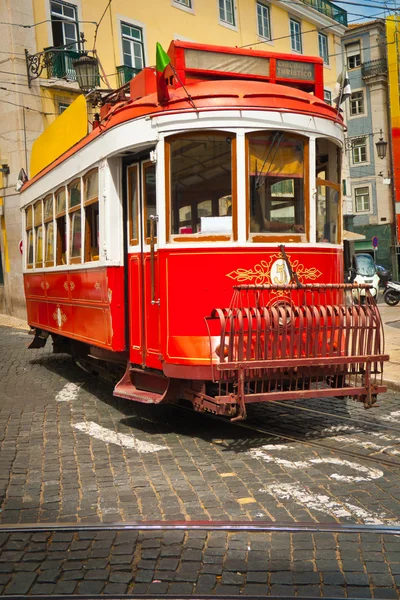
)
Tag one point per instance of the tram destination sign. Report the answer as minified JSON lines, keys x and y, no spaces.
{"x":294,"y":70}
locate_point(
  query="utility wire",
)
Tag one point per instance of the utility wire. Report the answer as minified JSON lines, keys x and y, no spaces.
{"x":99,"y":23}
{"x":27,"y":108}
{"x":45,"y":21}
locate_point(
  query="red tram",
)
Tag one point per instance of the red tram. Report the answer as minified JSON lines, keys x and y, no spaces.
{"x":195,"y":242}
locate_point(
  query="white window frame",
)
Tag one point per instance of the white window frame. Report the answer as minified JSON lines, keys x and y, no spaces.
{"x":178,"y":4}
{"x":294,"y":36}
{"x":131,"y":23}
{"x":350,"y":53}
{"x":365,"y":210}
{"x":263,"y":7}
{"x":328,"y":97}
{"x":223,"y":22}
{"x":353,"y":153}
{"x":357,"y":103}
{"x":75,"y":21}
{"x":323,"y":55}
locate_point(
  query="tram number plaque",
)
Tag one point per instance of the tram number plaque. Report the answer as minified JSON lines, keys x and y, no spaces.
{"x":294,"y":70}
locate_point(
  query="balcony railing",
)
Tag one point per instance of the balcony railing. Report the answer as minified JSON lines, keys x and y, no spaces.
{"x":125,"y":74}
{"x":58,"y":62}
{"x":329,"y":9}
{"x":374,"y":68}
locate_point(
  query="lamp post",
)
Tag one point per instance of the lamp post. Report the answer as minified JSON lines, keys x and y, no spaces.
{"x":87,"y":72}
{"x":381,"y":147}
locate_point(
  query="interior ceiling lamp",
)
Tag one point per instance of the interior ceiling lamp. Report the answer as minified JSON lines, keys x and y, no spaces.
{"x":381,"y":147}
{"x":87,"y":72}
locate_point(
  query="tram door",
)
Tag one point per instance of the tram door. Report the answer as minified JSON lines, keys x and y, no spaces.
{"x":143,"y":292}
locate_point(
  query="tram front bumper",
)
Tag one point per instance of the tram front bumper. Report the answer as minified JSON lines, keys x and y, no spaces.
{"x":289,"y":343}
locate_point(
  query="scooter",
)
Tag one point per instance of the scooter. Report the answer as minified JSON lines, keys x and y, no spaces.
{"x":363,"y":271}
{"x":391,"y":295}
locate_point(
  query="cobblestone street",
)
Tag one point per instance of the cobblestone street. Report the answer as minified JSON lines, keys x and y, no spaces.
{"x":71,"y":452}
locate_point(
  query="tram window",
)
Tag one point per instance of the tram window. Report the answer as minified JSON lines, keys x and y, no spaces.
{"x":327,"y":213}
{"x":38,"y":226}
{"x":29,"y":237}
{"x":61,"y":236}
{"x":276,"y":182}
{"x":201,"y":184}
{"x":91,"y":208}
{"x":49,"y":231}
{"x":328,"y":161}
{"x":133,"y":189}
{"x":150,"y":208}
{"x":75,"y":220}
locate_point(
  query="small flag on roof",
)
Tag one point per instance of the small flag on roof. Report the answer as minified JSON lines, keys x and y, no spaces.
{"x":162,"y":62}
{"x":344,"y":89}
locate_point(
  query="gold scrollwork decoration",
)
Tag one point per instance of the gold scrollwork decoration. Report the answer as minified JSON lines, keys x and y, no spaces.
{"x":97,"y":285}
{"x":260,"y":274}
{"x":59,"y":317}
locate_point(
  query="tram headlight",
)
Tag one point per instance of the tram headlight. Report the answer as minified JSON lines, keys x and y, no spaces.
{"x":221,"y":353}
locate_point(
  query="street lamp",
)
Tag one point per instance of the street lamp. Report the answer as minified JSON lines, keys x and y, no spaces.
{"x":381,"y":147}
{"x":87,"y":72}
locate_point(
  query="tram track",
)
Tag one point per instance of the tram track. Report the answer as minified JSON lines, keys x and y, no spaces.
{"x":382,"y":427}
{"x":300,"y":440}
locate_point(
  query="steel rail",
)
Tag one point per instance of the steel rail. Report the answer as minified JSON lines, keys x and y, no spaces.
{"x":291,"y":438}
{"x":381,"y":425}
{"x":229,"y":526}
{"x":168,"y":596}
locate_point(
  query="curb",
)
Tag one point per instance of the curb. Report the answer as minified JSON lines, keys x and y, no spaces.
{"x":394,"y":386}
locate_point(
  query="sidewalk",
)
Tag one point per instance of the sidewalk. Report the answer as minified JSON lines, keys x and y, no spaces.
{"x":8,"y":321}
{"x":391,"y":325}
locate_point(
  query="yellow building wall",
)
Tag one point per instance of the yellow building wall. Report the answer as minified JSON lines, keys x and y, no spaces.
{"x":162,"y":22}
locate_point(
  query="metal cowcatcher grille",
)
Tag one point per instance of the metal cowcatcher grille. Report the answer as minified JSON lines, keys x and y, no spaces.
{"x":290,"y":342}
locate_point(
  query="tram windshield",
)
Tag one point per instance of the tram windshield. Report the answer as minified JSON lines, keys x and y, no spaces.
{"x":201,"y":183}
{"x":276,"y":182}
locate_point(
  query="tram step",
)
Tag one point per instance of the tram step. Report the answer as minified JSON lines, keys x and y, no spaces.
{"x":142,"y":386}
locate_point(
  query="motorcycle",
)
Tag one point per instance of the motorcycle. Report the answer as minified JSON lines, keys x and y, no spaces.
{"x":391,"y":295}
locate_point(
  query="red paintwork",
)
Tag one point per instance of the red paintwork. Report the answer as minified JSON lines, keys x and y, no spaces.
{"x":85,"y":304}
{"x":191,"y":283}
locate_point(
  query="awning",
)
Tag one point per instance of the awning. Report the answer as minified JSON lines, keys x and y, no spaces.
{"x":353,"y":236}
{"x":359,"y":246}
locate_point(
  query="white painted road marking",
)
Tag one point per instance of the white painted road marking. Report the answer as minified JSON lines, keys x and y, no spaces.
{"x":120,"y":439}
{"x":325,"y":504}
{"x":364,"y":473}
{"x":69,"y":392}
{"x":393,"y":417}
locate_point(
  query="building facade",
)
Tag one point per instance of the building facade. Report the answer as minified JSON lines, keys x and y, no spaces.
{"x":41,"y":38}
{"x":369,"y":185}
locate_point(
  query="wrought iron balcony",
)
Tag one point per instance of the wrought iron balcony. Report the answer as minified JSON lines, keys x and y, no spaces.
{"x":329,"y":9}
{"x":58,"y":62}
{"x":125,"y":74}
{"x":374,"y":68}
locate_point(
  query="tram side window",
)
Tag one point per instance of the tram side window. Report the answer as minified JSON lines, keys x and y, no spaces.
{"x":149,"y":178}
{"x":38,"y":225}
{"x":29,"y":237}
{"x":49,"y":231}
{"x":201,"y":184}
{"x":133,"y":190}
{"x":75,"y":221}
{"x":61,"y":234}
{"x":91,"y":208}
{"x":276,"y":182}
{"x":328,"y":161}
